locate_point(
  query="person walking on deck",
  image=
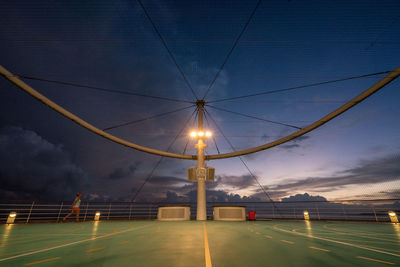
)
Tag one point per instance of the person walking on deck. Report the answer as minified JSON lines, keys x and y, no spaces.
{"x":75,"y":207}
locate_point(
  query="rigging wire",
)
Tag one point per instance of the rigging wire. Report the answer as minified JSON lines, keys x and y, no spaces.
{"x":145,"y":119}
{"x":167,"y":48}
{"x":233,"y":47}
{"x":187,"y":136}
{"x":161,"y":158}
{"x":256,"y":118}
{"x":101,"y":88}
{"x":251,"y":173}
{"x":300,"y":87}
{"x":215,"y":142}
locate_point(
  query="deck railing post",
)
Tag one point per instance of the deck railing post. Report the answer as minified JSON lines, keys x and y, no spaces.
{"x":150,"y":207}
{"x":344,"y":212}
{"x":109,"y":210}
{"x":30,"y":212}
{"x":130,"y":211}
{"x":316,"y":206}
{"x":273,"y":211}
{"x":376,"y":218}
{"x":59,"y":212}
{"x":87,"y":205}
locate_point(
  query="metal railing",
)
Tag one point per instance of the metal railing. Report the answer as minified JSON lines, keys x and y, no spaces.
{"x":357,"y":210}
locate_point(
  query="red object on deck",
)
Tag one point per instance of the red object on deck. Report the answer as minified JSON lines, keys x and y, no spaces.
{"x":252,"y":216}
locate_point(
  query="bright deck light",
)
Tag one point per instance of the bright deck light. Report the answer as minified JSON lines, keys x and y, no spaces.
{"x":208,"y":134}
{"x":306,"y":215}
{"x":200,"y":133}
{"x":97,"y":216}
{"x":193,"y":134}
{"x":393,"y":217}
{"x":11,"y":217}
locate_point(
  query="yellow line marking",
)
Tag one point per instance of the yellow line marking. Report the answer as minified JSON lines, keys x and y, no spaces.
{"x":335,"y":241}
{"x":258,"y":233}
{"x":46,"y":260}
{"x":95,"y":249}
{"x":322,"y":249}
{"x":206,"y":248}
{"x":286,"y":241}
{"x":124,"y":242}
{"x":66,"y":245}
{"x":374,"y":260}
{"x":268,"y":236}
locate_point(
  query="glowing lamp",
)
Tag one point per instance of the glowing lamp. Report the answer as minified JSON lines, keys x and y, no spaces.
{"x":11,"y":217}
{"x":393,"y":217}
{"x":200,"y":134}
{"x":306,"y":215}
{"x":97,"y":216}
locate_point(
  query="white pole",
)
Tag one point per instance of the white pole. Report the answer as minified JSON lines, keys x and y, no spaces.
{"x":201,"y":179}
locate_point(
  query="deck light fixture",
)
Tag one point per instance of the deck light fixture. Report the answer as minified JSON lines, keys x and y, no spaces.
{"x":306,"y":215}
{"x":11,"y":217}
{"x":393,"y":217}
{"x":97,"y":216}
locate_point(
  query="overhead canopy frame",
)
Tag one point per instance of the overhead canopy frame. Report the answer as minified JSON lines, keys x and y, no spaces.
{"x":28,"y":89}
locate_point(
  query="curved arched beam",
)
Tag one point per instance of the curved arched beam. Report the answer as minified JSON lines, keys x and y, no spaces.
{"x":384,"y":81}
{"x":374,"y":88}
{"x":15,"y":80}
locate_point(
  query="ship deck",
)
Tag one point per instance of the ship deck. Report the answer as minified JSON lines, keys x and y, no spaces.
{"x":192,"y":243}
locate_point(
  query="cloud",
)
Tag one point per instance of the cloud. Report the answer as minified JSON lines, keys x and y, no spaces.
{"x":376,"y":171}
{"x":384,"y":194}
{"x":275,"y":195}
{"x":212,"y":196}
{"x":123,"y":172}
{"x":33,"y":168}
{"x":175,"y":189}
{"x":303,"y":197}
{"x":167,"y":180}
{"x":238,"y":182}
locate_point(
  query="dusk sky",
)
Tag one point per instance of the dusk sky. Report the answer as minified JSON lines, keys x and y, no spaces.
{"x":113,"y":45}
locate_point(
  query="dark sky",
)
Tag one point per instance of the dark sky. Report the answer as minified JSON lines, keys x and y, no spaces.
{"x":112,"y":44}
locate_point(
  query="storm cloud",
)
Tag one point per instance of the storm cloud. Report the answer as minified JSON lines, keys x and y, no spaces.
{"x":123,"y":172}
{"x":34,"y":168}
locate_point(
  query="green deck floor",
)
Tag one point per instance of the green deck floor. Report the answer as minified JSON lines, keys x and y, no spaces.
{"x":152,"y":243}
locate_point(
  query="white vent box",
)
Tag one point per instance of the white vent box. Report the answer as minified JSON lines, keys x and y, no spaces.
{"x":229,"y":213}
{"x":173,"y":213}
